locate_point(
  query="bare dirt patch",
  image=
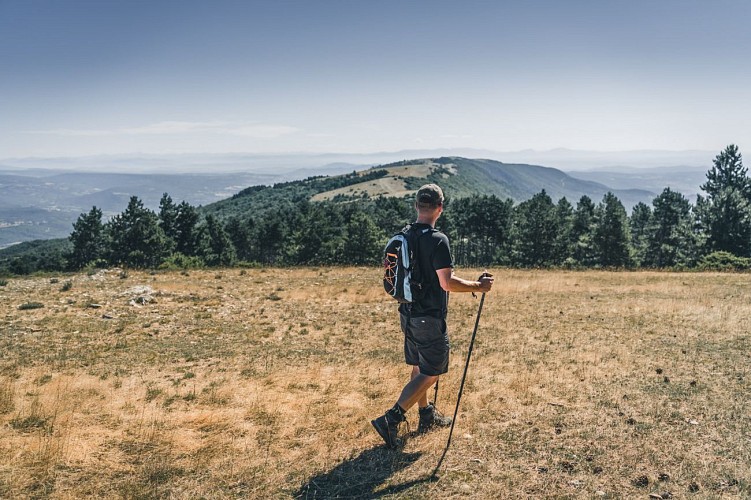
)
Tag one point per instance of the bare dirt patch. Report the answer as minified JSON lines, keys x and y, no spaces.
{"x":391,"y":185}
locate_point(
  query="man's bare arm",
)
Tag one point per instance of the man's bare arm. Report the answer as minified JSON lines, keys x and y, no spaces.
{"x":452,"y":283}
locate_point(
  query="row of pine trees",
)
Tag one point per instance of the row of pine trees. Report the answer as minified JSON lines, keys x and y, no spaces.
{"x":484,"y":230}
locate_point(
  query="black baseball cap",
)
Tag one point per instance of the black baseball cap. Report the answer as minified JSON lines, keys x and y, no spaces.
{"x":429,"y":196}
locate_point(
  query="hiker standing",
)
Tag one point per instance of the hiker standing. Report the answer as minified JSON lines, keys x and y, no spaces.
{"x":426,"y":343}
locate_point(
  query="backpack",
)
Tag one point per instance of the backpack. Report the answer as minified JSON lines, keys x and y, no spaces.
{"x":402,"y":277}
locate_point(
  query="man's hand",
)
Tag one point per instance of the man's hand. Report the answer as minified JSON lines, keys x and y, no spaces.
{"x":486,"y":282}
{"x":452,"y":283}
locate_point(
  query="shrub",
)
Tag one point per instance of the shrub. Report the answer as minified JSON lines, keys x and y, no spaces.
{"x":66,"y":286}
{"x":724,"y":261}
{"x":3,"y":282}
{"x":250,"y":265}
{"x":30,"y":305}
{"x":180,"y":261}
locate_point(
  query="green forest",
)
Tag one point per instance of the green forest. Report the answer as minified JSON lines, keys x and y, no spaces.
{"x":279,"y":225}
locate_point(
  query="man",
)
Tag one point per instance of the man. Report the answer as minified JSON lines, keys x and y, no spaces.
{"x":426,"y":343}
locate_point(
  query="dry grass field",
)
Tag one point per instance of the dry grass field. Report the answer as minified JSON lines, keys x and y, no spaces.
{"x":262,"y":383}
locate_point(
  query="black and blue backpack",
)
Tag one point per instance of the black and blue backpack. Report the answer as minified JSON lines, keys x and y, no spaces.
{"x":402,"y":277}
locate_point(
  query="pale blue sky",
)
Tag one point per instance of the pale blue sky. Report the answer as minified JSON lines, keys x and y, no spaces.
{"x":98,"y":77}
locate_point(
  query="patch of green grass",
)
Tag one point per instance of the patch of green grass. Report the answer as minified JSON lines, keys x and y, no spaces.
{"x":34,"y":421}
{"x":152,"y":393}
{"x":43,"y":379}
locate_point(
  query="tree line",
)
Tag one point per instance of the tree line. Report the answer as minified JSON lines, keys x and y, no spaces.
{"x":484,"y":230}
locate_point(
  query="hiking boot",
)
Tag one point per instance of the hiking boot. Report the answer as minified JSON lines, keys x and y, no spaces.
{"x":387,"y":426}
{"x":430,"y":417}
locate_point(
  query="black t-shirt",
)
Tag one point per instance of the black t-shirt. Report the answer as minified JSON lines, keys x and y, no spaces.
{"x":433,"y":253}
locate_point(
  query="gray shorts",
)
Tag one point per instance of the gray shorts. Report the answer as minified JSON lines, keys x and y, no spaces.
{"x":426,"y":343}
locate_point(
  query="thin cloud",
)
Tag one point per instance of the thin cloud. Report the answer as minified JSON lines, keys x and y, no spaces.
{"x":244,"y":129}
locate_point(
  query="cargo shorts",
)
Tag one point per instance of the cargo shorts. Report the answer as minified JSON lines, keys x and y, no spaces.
{"x":426,"y":343}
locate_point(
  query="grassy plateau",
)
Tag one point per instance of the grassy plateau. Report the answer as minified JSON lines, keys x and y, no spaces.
{"x":262,"y":383}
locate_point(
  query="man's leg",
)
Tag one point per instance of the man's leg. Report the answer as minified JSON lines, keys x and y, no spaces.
{"x":416,"y":390}
{"x":423,"y":401}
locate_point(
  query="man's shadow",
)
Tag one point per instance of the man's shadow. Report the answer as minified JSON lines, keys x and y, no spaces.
{"x":360,"y":476}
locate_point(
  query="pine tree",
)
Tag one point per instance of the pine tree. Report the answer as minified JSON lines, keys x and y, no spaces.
{"x":239,"y":233}
{"x":363,"y":241}
{"x":564,"y":244}
{"x":87,"y":238}
{"x":167,"y":219}
{"x":582,"y":229}
{"x":215,"y":245}
{"x":535,"y":230}
{"x":727,"y":172}
{"x":611,"y":235}
{"x":136,"y":240}
{"x":726,"y":215}
{"x":185,"y":229}
{"x":670,"y":237}
{"x":639,"y":223}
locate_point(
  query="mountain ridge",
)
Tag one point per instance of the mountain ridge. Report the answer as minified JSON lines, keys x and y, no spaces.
{"x":459,"y":177}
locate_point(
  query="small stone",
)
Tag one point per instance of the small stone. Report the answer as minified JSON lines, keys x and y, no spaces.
{"x":693,"y":487}
{"x":692,"y":383}
{"x":659,"y":371}
{"x":663,"y":477}
{"x":107,"y":316}
{"x":641,"y":482}
{"x":600,"y":493}
{"x":95,"y":306}
{"x":666,"y":495}
{"x":597,"y":470}
{"x":655,"y":495}
{"x":666,"y":380}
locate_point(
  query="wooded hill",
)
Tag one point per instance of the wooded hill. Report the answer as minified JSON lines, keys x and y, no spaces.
{"x":459,"y":178}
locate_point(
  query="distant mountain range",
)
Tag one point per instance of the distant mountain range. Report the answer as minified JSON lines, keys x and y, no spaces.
{"x":286,"y":164}
{"x":37,"y":202}
{"x":686,"y":179}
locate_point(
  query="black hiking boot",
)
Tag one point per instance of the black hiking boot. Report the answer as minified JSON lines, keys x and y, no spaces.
{"x":387,"y":426}
{"x":430,"y":417}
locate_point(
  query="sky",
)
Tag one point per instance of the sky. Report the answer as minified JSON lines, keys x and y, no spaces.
{"x":93,"y":77}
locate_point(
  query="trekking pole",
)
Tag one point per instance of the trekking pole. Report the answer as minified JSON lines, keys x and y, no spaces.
{"x":461,"y":387}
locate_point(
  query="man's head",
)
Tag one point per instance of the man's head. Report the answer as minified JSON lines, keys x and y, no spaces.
{"x":429,"y":204}
{"x":429,"y":199}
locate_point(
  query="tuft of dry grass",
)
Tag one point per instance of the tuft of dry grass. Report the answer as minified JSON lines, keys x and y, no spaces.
{"x":582,"y":384}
